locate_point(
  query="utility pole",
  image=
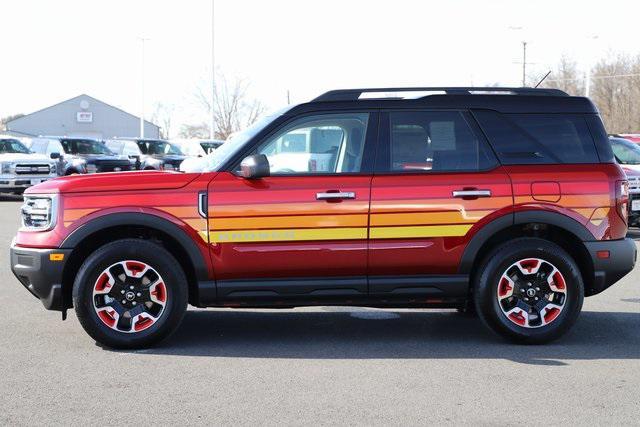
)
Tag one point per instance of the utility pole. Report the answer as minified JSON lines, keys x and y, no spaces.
{"x":288,"y":98}
{"x":524,"y":64}
{"x":142,"y":40}
{"x":212,"y":122}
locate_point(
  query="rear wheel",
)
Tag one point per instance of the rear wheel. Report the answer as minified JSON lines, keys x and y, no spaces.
{"x":529,"y":290}
{"x":130,"y":294}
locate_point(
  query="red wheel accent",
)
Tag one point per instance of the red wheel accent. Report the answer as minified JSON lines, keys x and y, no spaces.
{"x":102,"y":283}
{"x":529,"y":264}
{"x":135,"y":267}
{"x":107,"y":316}
{"x":518,"y":318}
{"x":143,"y":323}
{"x":558,"y":281}
{"x":551,"y":314}
{"x":160,"y":292}
{"x":504,"y":288}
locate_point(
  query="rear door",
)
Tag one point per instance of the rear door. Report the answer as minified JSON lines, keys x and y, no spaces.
{"x":436,"y":183}
{"x":301,"y":232}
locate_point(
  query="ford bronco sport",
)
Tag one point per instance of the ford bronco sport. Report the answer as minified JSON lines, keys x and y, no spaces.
{"x":506,"y":200}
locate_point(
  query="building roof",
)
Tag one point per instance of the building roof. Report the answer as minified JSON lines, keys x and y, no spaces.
{"x":77,"y":98}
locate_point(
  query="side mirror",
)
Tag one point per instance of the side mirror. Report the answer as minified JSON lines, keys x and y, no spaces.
{"x":54,"y":155}
{"x":254,"y":167}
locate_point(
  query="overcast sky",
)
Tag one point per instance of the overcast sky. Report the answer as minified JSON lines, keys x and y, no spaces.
{"x":54,"y":50}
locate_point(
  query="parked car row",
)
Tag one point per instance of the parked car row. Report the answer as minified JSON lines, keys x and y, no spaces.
{"x":29,"y":161}
{"x":627,"y":154}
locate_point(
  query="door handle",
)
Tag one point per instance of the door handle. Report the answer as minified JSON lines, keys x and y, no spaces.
{"x":336,"y":195}
{"x":471,"y":193}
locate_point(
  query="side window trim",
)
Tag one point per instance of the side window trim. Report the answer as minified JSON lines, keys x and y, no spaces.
{"x":369,"y":149}
{"x":383,"y":157}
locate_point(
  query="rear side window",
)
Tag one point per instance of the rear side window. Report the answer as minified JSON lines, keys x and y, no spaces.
{"x":538,"y":138}
{"x":435,"y":141}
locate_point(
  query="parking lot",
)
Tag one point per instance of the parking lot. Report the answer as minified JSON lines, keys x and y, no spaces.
{"x":320,"y":366}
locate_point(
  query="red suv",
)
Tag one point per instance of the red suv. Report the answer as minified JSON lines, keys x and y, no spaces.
{"x":507,"y":201}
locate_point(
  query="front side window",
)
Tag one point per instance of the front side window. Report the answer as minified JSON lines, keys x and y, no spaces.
{"x":435,"y":141}
{"x":318,"y":144}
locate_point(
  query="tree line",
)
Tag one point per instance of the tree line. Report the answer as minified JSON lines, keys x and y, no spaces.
{"x":614,"y":86}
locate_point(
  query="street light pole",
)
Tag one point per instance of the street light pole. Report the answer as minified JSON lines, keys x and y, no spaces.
{"x":212,"y":123}
{"x":524,"y":63}
{"x":142,"y":40}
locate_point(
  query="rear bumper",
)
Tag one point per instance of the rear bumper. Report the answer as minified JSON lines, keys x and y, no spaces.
{"x":40,"y":275}
{"x":607,"y":271}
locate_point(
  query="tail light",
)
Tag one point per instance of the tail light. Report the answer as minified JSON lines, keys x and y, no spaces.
{"x":622,"y":199}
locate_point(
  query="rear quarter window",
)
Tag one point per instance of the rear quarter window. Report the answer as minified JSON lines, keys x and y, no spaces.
{"x":539,"y":138}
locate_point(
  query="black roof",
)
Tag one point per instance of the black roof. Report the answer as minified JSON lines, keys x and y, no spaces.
{"x":502,"y":99}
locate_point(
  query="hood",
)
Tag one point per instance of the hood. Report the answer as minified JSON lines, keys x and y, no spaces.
{"x":114,"y":181}
{"x":21,"y":157}
{"x":631,"y":170}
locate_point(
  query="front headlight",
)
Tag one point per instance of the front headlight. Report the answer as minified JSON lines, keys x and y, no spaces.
{"x":39,"y":212}
{"x":91,"y":168}
{"x":5,"y":168}
{"x":168,"y":167}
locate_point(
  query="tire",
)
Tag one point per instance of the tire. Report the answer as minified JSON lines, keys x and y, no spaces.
{"x":535,"y":270}
{"x":151,"y":307}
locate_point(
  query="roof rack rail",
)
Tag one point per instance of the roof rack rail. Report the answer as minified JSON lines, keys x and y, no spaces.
{"x":356,"y":94}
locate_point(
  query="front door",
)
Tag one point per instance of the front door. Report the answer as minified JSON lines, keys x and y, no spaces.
{"x":302,"y":232}
{"x":436,"y":182}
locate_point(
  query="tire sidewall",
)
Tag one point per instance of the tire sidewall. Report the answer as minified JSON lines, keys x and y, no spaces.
{"x":497,"y":263}
{"x":135,"y":250}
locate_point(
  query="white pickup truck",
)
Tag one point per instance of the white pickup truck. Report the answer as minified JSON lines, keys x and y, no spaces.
{"x":20,"y":168}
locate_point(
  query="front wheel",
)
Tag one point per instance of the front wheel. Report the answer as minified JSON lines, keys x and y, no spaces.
{"x":130,"y":293}
{"x":529,"y":290}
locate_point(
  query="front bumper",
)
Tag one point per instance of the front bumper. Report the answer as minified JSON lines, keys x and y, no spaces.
{"x":42,"y":276}
{"x":607,"y":271}
{"x":23,"y":181}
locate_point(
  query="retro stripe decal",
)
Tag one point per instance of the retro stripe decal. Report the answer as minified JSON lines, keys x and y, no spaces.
{"x":282,"y":235}
{"x":420,"y":231}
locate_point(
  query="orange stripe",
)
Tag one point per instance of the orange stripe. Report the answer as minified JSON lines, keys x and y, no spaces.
{"x":181,"y":211}
{"x":289,"y":222}
{"x":312,"y":208}
{"x":74,"y":214}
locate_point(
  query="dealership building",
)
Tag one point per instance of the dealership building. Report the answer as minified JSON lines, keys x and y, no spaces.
{"x":82,"y":116}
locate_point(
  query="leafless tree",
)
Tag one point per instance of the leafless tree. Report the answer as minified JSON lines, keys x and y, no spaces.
{"x":233,"y":108}
{"x":199,"y":131}
{"x":615,"y":88}
{"x":7,"y":119}
{"x":162,"y":115}
{"x":616,"y":92}
{"x":565,"y":76}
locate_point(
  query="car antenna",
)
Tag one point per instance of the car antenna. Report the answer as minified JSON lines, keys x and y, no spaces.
{"x":543,"y":79}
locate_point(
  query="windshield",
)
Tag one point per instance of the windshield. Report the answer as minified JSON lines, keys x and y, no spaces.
{"x":12,"y":146}
{"x":227,"y":150}
{"x":84,"y":146}
{"x":158,"y":148}
{"x":627,"y":153}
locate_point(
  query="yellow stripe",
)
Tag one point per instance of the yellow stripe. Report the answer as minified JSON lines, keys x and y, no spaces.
{"x":283,"y":235}
{"x":288,"y":221}
{"x":421,"y":231}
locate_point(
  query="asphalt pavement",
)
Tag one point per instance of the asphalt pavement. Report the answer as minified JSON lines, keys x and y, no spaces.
{"x":318,"y":366}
